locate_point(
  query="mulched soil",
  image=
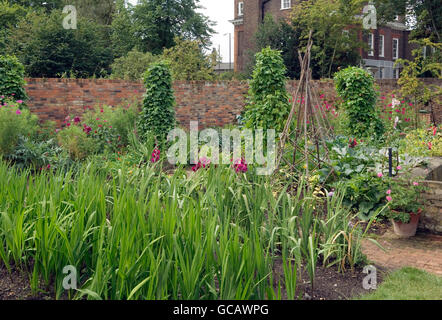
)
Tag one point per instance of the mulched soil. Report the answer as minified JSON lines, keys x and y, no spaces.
{"x":16,"y":286}
{"x":330,"y":284}
{"x":377,"y":227}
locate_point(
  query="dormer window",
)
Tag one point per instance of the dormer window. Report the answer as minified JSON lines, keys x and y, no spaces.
{"x":286,"y":4}
{"x":240,"y":9}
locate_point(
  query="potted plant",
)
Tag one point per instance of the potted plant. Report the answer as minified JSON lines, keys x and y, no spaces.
{"x":405,"y":205}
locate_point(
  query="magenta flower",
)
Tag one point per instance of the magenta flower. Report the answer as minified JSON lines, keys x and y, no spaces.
{"x":18,"y":111}
{"x":19,"y":101}
{"x":415,"y":184}
{"x":380,"y":175}
{"x":77,"y":119}
{"x":155,"y":155}
{"x":389,"y":191}
{"x":399,"y":167}
{"x":240,"y":165}
{"x":389,"y":198}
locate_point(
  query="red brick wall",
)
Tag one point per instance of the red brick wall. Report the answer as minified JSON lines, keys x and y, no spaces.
{"x":210,"y":103}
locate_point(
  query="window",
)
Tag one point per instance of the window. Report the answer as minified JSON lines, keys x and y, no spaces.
{"x":381,"y":45}
{"x":370,"y":44}
{"x":240,"y":8}
{"x":396,"y":73}
{"x":395,"y":48}
{"x":286,"y":4}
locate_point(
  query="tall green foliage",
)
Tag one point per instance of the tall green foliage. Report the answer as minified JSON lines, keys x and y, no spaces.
{"x":158,"y":115}
{"x":133,"y":65}
{"x":12,"y":80}
{"x":356,"y":87}
{"x":48,"y":50}
{"x":267,"y":101}
{"x":188,"y":62}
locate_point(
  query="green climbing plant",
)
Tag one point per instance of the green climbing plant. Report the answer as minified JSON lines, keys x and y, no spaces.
{"x":12,"y":82}
{"x":267,"y":101}
{"x":356,"y":87}
{"x":157,"y":116}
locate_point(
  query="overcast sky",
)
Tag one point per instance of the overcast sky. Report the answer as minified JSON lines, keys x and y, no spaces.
{"x":219,"y":11}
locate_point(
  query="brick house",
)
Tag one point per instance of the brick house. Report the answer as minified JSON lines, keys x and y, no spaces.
{"x":387,"y":43}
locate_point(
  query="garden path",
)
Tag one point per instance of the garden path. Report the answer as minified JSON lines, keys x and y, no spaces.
{"x":423,"y":251}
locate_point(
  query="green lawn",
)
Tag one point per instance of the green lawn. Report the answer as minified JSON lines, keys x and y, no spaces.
{"x":408,"y":284}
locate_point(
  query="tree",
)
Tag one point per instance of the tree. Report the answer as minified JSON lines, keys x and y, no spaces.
{"x":281,"y":36}
{"x":158,"y":22}
{"x":424,"y":16}
{"x":48,"y":50}
{"x":187,"y":61}
{"x":335,"y":44}
{"x":122,"y":30}
{"x":10,"y":15}
{"x":133,"y":65}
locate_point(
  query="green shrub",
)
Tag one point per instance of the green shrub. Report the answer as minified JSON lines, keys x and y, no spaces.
{"x":132,"y":66}
{"x":423,"y":143}
{"x":12,"y":83}
{"x":356,"y":87}
{"x":111,"y":126}
{"x":267,"y":100}
{"x":76,"y":142}
{"x":157,"y":115}
{"x":13,"y":124}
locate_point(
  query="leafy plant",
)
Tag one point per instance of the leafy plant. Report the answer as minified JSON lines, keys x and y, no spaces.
{"x":405,"y":198}
{"x":422,"y":142}
{"x":76,"y":142}
{"x":14,"y":123}
{"x":158,"y":114}
{"x":267,"y":101}
{"x":132,"y":66}
{"x":355,"y":86}
{"x":12,"y":82}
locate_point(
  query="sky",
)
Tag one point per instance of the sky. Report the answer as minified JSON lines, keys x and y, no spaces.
{"x":219,"y":11}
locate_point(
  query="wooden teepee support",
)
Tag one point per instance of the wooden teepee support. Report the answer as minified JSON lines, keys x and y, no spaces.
{"x":311,"y":126}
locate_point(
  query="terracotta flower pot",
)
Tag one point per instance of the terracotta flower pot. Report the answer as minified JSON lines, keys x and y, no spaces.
{"x":406,"y":230}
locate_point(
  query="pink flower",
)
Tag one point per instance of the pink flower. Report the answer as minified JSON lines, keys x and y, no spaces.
{"x":399,"y":167}
{"x":380,"y":175}
{"x":18,"y":111}
{"x":430,"y":145}
{"x":77,"y":119}
{"x":19,"y":101}
{"x":415,"y":184}
{"x":389,"y":198}
{"x":389,"y":191}
{"x":155,"y":155}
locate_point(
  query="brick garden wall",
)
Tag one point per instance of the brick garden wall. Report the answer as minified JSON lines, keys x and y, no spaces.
{"x":210,"y":103}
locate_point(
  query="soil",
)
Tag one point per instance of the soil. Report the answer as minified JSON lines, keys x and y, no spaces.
{"x":330,"y":284}
{"x":377,"y":227}
{"x":16,"y":286}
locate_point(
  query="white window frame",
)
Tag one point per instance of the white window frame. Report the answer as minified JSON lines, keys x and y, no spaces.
{"x":370,"y":44}
{"x":286,"y":4}
{"x":396,"y":73}
{"x":381,"y":41}
{"x":240,"y":9}
{"x":395,"y":56}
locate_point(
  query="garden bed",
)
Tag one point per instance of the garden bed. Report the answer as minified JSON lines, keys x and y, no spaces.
{"x":329,"y":284}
